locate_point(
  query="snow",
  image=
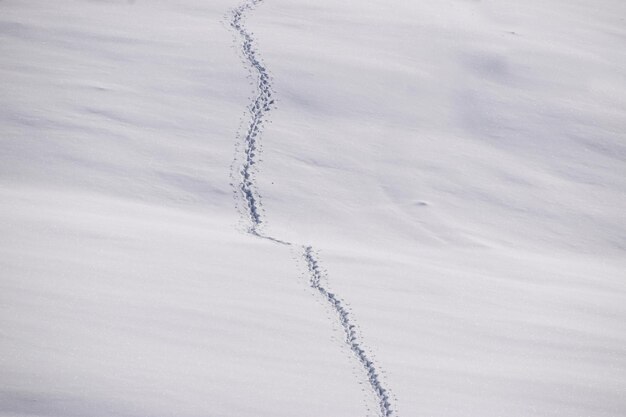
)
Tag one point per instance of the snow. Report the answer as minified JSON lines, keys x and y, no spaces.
{"x":458,"y":166}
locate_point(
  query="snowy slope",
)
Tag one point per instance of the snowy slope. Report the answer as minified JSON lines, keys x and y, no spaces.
{"x":458,"y":166}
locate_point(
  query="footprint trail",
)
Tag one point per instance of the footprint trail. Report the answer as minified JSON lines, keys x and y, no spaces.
{"x":247,"y":191}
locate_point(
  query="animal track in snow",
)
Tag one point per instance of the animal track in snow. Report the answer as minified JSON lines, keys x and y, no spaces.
{"x":352,"y":336}
{"x":247,"y":191}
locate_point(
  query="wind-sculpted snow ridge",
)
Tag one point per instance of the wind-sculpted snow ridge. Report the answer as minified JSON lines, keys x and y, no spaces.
{"x":350,"y":330}
{"x":259,"y":108}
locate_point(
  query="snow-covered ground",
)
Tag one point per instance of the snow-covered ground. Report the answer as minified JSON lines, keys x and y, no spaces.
{"x":458,"y":166}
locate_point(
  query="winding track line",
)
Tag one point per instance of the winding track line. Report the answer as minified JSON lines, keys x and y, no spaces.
{"x":247,"y":189}
{"x":260,"y":106}
{"x":352,"y":336}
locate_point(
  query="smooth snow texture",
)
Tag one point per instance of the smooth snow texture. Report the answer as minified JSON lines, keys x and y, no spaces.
{"x":460,"y":166}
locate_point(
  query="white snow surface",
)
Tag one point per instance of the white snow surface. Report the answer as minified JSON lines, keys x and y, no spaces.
{"x":459,"y":167}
